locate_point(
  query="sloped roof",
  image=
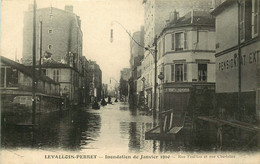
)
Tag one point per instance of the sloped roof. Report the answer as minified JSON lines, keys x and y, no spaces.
{"x":194,"y":18}
{"x":222,"y":7}
{"x":26,"y":70}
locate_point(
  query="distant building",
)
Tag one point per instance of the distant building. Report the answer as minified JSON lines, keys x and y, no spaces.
{"x":61,"y":35}
{"x":238,"y":35}
{"x":95,"y":76}
{"x":67,"y":76}
{"x":136,"y":56}
{"x":125,"y":75}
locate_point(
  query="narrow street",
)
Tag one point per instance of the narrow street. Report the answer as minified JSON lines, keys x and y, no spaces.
{"x":114,"y":125}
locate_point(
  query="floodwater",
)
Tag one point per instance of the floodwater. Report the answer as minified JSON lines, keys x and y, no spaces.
{"x":113,"y":128}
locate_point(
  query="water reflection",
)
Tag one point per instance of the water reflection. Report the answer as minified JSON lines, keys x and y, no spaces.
{"x":113,"y":128}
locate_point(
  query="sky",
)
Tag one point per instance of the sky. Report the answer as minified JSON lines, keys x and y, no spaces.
{"x":98,"y":18}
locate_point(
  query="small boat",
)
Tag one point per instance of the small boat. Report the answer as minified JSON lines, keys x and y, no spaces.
{"x":95,"y":105}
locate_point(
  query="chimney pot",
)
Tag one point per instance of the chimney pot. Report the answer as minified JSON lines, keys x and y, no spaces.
{"x":69,"y":8}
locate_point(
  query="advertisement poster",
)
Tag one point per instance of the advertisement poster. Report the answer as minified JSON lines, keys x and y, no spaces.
{"x":130,"y":81}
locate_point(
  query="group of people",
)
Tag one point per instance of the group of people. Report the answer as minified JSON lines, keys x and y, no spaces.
{"x":95,"y":105}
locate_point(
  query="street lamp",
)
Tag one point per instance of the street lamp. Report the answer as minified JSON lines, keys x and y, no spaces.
{"x":161,"y":77}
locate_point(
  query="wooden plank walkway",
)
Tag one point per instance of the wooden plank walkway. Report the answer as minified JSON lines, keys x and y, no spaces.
{"x":154,"y":134}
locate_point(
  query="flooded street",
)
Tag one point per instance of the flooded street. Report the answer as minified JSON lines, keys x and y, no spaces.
{"x":113,"y":128}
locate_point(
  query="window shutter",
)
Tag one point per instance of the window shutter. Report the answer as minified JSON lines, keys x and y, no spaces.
{"x":172,"y":72}
{"x":185,"y":41}
{"x":173,"y":41}
{"x":185,"y":72}
{"x":255,"y":13}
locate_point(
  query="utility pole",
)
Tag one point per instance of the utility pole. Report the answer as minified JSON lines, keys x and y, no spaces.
{"x":34,"y":63}
{"x":40,"y":61}
{"x":155,"y":76}
{"x":239,"y":65}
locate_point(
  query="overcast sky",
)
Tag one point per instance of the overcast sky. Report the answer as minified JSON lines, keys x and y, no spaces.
{"x":96,"y":16}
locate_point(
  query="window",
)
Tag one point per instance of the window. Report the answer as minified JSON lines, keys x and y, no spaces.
{"x":2,"y":77}
{"x":50,"y":31}
{"x":179,"y":41}
{"x":54,"y":75}
{"x":11,"y":77}
{"x":255,"y":13}
{"x":179,"y":72}
{"x":49,"y":46}
{"x":44,"y":72}
{"x":58,"y":75}
{"x":202,"y":72}
{"x":242,"y":21}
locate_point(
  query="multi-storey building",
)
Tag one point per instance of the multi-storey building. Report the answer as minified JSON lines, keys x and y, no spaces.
{"x":156,"y":17}
{"x":58,"y":38}
{"x":237,"y":37}
{"x":137,"y":54}
{"x":186,"y":49}
{"x":61,"y":35}
{"x":95,"y":76}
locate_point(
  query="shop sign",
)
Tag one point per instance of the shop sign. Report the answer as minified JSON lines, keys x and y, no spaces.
{"x":179,"y":90}
{"x":248,"y":58}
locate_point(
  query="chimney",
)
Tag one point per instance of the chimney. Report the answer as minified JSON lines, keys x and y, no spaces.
{"x":174,"y":16}
{"x":69,"y":8}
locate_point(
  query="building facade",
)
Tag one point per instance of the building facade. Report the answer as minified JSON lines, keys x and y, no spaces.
{"x":61,"y":39}
{"x":157,"y":14}
{"x":237,"y":58}
{"x":136,"y":55}
{"x":186,"y":49}
{"x":95,"y":76}
{"x":66,"y":76}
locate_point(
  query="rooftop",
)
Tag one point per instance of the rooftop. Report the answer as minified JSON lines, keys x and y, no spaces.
{"x":26,"y":70}
{"x":194,"y":18}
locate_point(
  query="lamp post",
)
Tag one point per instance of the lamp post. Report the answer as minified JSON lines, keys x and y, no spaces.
{"x":161,"y":77}
{"x":34,"y":63}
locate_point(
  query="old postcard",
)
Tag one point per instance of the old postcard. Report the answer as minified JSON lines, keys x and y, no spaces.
{"x":130,"y":81}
